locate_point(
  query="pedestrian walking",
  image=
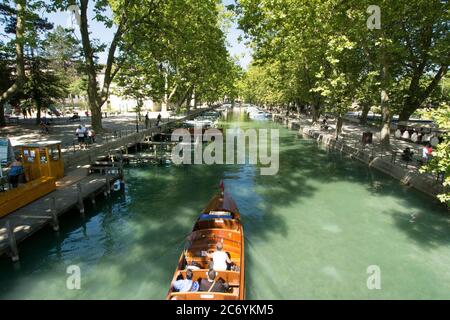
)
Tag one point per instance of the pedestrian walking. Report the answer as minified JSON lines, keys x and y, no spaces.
{"x":147,"y":121}
{"x":91,"y":136}
{"x":158,"y":120}
{"x":80,"y":134}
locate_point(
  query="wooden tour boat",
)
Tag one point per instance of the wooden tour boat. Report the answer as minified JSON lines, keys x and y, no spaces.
{"x":219,"y":222}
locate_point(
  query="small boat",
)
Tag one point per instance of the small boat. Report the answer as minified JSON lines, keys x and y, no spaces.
{"x":259,"y":115}
{"x":218,"y":222}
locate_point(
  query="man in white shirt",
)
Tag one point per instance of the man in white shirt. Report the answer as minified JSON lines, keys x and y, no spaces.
{"x":220,"y":258}
{"x":81,"y":135}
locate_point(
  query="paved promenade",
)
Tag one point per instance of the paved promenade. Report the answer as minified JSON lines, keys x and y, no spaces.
{"x":352,"y":133}
{"x":26,"y":131}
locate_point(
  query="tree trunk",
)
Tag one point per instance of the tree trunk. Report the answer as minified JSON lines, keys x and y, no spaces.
{"x":88,"y":52}
{"x":416,"y":95}
{"x":189,"y":99}
{"x":2,"y":115}
{"x":386,"y":121}
{"x":96,"y":119}
{"x":195,"y":99}
{"x":315,"y":114}
{"x":339,"y":124}
{"x":364,"y":114}
{"x":385,"y":107}
{"x":38,"y":112}
{"x":406,"y":113}
{"x":20,"y":61}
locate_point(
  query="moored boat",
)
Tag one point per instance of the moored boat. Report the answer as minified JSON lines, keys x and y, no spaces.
{"x":218,"y":223}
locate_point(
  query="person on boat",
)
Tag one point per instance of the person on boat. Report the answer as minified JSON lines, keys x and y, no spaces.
{"x":186,"y":285}
{"x":220,"y":258}
{"x":211,"y":284}
{"x":15,"y":172}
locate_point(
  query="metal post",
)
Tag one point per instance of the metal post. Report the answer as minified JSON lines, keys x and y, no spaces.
{"x":80,"y":200}
{"x":108,"y":185}
{"x":54,"y":214}
{"x":12,"y":242}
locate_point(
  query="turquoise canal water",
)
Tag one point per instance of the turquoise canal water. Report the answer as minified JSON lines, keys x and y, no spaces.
{"x":311,"y":232}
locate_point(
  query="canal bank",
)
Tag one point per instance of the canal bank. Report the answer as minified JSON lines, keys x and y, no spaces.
{"x":312,"y":231}
{"x":83,"y":181}
{"x":387,"y":161}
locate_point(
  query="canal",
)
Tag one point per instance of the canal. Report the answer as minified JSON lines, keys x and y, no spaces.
{"x":312,"y":231}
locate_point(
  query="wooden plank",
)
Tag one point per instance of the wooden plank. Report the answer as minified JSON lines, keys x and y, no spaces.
{"x":33,"y":217}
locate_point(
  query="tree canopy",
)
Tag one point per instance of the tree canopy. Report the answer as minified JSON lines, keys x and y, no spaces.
{"x":325,"y":54}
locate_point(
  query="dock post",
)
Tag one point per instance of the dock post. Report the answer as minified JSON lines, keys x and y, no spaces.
{"x":108,"y":185}
{"x":80,"y":200}
{"x":54,"y":214}
{"x":12,"y":242}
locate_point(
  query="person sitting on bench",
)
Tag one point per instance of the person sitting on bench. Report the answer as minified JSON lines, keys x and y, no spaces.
{"x":211,"y":284}
{"x":407,"y":155}
{"x":186,"y":285}
{"x":325,"y":125}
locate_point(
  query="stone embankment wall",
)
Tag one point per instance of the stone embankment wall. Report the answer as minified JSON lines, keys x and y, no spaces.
{"x":421,"y":182}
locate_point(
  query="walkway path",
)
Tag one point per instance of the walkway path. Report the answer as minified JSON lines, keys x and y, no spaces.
{"x":352,"y":136}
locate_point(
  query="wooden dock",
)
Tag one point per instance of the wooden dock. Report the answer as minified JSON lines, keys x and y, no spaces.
{"x":104,"y":169}
{"x":71,"y":193}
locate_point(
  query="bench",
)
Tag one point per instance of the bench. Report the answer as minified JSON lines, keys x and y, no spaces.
{"x":12,"y":119}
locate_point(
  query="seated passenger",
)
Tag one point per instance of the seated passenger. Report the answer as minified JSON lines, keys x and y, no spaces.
{"x":186,"y":285}
{"x":407,"y":155}
{"x":220,"y":258}
{"x":210,"y":285}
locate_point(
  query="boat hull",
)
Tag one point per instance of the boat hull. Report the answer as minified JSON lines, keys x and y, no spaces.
{"x":207,"y":232}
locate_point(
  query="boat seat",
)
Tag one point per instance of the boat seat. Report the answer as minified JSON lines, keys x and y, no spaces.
{"x":230,"y":277}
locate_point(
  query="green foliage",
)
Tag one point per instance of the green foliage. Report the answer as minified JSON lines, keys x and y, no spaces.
{"x":323,"y":54}
{"x":184,"y":41}
{"x":440,"y":163}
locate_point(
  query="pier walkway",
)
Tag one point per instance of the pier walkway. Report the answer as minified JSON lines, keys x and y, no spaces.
{"x":71,"y":193}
